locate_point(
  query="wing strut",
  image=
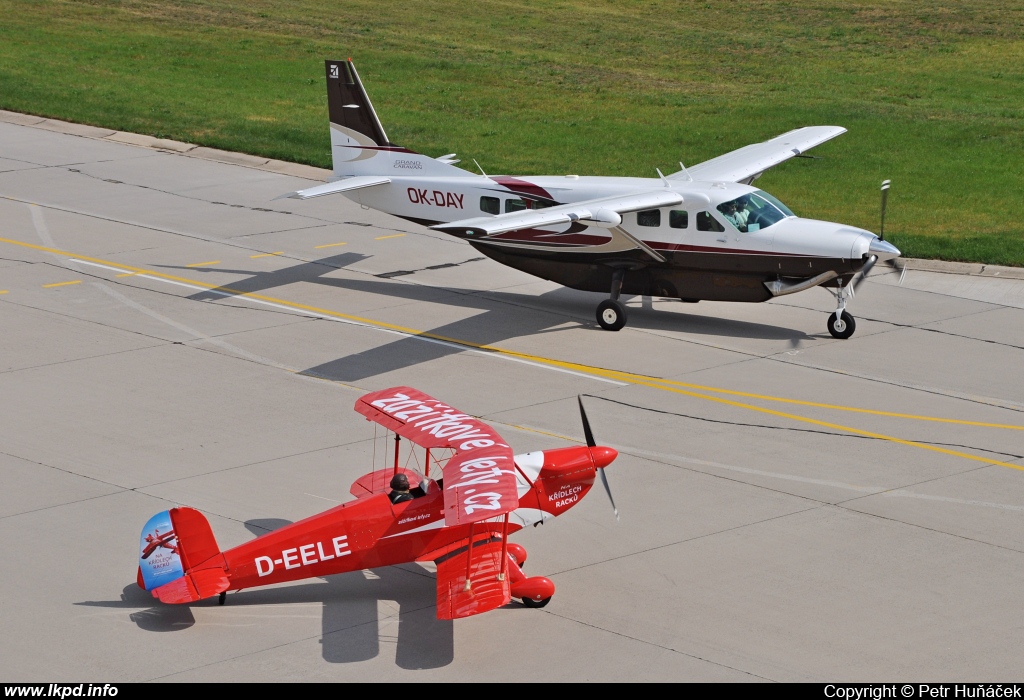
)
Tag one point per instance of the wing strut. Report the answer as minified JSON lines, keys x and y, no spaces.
{"x":469,"y":556}
{"x":504,"y":549}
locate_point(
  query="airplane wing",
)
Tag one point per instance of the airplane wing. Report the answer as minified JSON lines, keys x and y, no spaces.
{"x":485,"y":592}
{"x":604,"y":212}
{"x":346,"y":185}
{"x":480,"y":479}
{"x":745,"y":164}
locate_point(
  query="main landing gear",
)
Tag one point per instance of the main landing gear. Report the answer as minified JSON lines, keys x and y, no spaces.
{"x":841,"y":324}
{"x":535,"y":591}
{"x":611,"y":313}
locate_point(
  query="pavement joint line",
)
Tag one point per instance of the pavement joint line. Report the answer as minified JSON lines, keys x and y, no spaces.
{"x":586,"y":371}
{"x":61,"y":284}
{"x":659,"y":646}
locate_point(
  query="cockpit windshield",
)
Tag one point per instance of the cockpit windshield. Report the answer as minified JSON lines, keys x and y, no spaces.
{"x":755,"y":211}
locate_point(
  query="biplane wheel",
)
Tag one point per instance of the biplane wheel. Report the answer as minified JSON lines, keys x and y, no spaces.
{"x":531,"y":603}
{"x":611,"y":314}
{"x":843,"y":327}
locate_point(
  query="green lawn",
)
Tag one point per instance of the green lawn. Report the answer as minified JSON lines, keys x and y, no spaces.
{"x":932,"y":92}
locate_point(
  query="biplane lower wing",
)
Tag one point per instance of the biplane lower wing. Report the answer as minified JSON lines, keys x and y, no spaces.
{"x":486,"y":590}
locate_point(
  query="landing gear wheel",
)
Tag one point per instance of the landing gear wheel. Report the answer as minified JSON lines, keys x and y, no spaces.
{"x":843,"y":327}
{"x":611,"y":314}
{"x":531,"y":603}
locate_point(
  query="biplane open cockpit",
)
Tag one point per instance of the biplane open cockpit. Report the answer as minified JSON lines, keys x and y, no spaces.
{"x":472,"y":493}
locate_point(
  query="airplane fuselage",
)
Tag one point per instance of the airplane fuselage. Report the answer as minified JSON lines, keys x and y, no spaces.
{"x":706,"y":257}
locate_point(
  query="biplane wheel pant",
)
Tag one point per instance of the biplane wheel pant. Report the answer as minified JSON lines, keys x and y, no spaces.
{"x":535,"y":591}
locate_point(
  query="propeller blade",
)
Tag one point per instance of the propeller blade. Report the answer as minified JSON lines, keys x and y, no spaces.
{"x":608,"y":490}
{"x":864,"y":272}
{"x":885,"y":198}
{"x":593,"y":443}
{"x":586,"y":424}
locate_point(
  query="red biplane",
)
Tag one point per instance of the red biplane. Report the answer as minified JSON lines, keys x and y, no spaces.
{"x":460,"y":519}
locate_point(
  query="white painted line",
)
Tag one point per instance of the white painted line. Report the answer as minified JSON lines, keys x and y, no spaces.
{"x":313,"y":314}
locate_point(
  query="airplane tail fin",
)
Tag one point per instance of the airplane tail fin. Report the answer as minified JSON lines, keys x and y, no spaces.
{"x":359,"y":145}
{"x":179,"y":560}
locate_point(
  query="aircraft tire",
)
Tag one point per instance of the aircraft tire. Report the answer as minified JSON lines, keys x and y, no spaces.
{"x":843,"y":327}
{"x":531,"y":603}
{"x":611,"y":314}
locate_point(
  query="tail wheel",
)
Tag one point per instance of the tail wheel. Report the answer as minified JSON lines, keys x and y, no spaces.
{"x":531,"y":603}
{"x":611,"y":314}
{"x":842,"y":327}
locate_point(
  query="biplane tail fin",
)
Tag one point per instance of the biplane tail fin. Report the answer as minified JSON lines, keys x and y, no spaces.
{"x":359,"y":145}
{"x":179,"y":560}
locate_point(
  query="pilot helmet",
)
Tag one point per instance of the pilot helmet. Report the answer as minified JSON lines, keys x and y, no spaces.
{"x":400,"y":482}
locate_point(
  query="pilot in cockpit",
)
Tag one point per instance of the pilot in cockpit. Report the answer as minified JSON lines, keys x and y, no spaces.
{"x":729,"y":210}
{"x":742,"y":213}
{"x":400,"y":489}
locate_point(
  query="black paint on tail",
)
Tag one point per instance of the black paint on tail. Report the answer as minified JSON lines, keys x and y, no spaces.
{"x":348,"y":104}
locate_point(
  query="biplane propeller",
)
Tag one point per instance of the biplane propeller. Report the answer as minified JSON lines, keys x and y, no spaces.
{"x":460,"y":518}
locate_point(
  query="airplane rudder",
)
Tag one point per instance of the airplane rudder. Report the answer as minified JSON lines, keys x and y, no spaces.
{"x":159,"y":559}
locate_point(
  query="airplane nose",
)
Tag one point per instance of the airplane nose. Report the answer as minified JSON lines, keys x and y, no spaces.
{"x":603,"y":456}
{"x":883,"y":250}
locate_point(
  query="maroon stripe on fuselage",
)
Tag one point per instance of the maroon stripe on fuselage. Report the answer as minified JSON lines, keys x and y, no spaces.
{"x":517,"y":185}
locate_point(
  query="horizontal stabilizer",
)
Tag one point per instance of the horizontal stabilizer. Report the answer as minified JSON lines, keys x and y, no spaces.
{"x":485,"y":591}
{"x":346,"y":185}
{"x":192,"y":587}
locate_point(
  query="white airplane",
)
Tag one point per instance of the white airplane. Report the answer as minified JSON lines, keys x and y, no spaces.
{"x":701,"y":233}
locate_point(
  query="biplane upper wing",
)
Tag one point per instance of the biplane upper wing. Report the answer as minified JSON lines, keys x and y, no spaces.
{"x":485,"y":592}
{"x":748,"y":162}
{"x":479,"y":480}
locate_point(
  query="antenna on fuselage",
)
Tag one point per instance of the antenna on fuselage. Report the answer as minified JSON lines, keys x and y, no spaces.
{"x":481,"y":169}
{"x":663,"y":178}
{"x":683,"y":171}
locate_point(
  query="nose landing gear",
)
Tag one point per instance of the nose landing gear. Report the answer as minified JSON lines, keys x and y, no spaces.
{"x":841,"y":325}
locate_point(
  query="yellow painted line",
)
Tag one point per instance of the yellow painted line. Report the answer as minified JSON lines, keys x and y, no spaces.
{"x":832,"y":407}
{"x":637,"y":379}
{"x":266,"y":255}
{"x":127,"y":274}
{"x":61,"y":284}
{"x":328,"y":245}
{"x":395,"y":235}
{"x":3,"y":291}
{"x":211,"y":262}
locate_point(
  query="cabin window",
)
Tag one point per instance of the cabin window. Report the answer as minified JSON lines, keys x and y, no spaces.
{"x":678,"y":219}
{"x":543,"y":205}
{"x":490,"y":205}
{"x":651,"y":217}
{"x":706,"y":222}
{"x":515,"y":205}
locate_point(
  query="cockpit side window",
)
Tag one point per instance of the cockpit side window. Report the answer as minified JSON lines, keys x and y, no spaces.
{"x":754,"y":211}
{"x":706,"y":222}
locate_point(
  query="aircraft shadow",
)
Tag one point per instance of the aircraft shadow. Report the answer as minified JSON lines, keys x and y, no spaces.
{"x":351,"y":627}
{"x":491,"y":325}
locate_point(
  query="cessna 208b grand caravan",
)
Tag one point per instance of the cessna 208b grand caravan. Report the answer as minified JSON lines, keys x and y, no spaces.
{"x":701,"y":233}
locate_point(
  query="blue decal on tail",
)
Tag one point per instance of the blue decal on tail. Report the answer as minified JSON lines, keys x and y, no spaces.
{"x":158,"y":552}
